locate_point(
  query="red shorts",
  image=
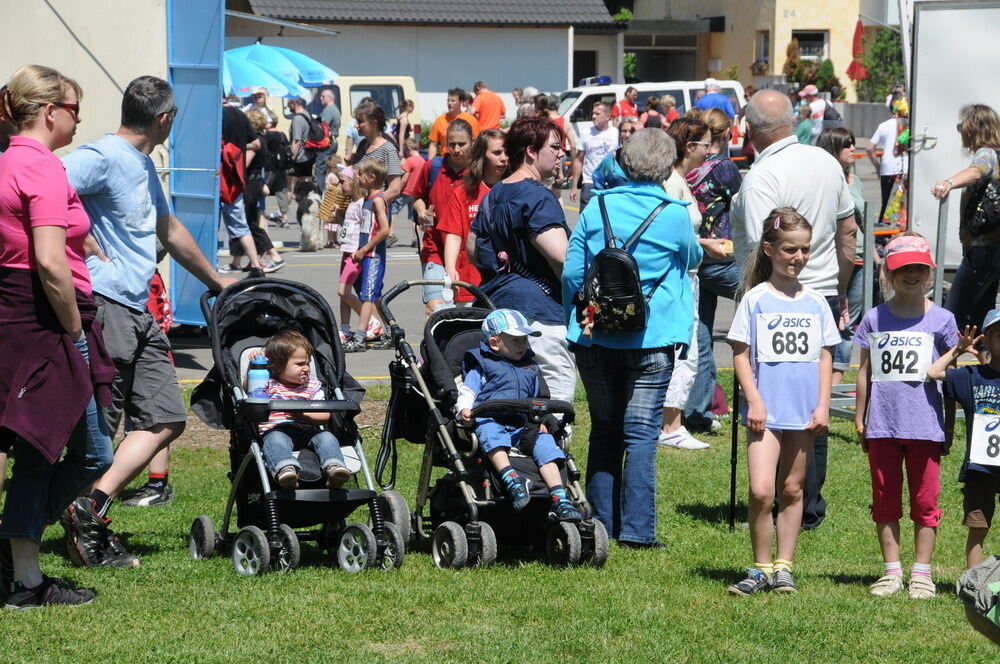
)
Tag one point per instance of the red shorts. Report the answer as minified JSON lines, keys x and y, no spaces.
{"x":886,"y":457}
{"x":349,"y":270}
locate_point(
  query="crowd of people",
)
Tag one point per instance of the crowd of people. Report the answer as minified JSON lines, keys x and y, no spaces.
{"x":78,"y":248}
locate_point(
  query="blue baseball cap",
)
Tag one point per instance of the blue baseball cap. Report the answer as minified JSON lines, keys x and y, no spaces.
{"x":991,"y":318}
{"x":507,"y":321}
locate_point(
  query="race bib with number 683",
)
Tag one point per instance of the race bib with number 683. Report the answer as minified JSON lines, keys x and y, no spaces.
{"x":900,"y":356}
{"x":984,"y":446}
{"x":788,"y":338}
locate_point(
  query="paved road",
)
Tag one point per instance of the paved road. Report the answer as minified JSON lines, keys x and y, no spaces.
{"x":320,"y":269}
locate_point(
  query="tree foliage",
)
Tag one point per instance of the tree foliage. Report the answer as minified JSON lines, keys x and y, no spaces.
{"x":883,"y":58}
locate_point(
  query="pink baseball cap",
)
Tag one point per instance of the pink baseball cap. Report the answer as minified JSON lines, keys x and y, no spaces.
{"x":809,"y":90}
{"x":908,"y":250}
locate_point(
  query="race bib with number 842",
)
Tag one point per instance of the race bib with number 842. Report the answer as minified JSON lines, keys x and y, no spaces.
{"x":900,"y":356}
{"x":984,"y":447}
{"x":788,"y":338}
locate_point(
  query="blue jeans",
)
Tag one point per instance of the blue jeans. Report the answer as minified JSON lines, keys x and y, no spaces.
{"x":625,"y":392}
{"x":697,"y":412}
{"x":715,"y":280}
{"x":39,"y":491}
{"x":974,"y":290}
{"x":855,"y":302}
{"x":280,"y":442}
{"x":493,"y":435}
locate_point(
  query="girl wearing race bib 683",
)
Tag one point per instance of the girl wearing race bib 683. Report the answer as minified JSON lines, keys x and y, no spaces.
{"x":782,"y":337}
{"x":898,"y":414}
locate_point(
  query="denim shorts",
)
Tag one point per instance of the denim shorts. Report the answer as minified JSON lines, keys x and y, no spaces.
{"x":433,"y":272}
{"x":235,"y":218}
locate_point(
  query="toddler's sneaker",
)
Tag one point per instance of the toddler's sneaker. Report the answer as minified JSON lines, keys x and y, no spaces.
{"x":681,"y":439}
{"x":755,"y":582}
{"x":336,"y":476}
{"x":355,"y":345}
{"x":288,"y":478}
{"x":890,"y":584}
{"x":783,"y":582}
{"x":563,"y":509}
{"x":517,"y":491}
{"x":922,"y":587}
{"x":48,"y":593}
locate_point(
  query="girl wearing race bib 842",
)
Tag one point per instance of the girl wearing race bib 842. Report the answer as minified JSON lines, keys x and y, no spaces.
{"x":898,"y":414}
{"x":782,"y":337}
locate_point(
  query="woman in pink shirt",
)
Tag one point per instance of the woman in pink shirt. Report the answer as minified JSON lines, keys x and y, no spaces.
{"x":54,"y":370}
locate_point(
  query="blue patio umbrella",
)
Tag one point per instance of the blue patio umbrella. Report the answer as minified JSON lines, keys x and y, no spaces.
{"x":290,"y":67}
{"x":240,"y":77}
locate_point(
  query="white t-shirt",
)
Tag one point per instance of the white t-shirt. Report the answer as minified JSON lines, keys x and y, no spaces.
{"x":677,"y":188}
{"x":816,"y":111}
{"x":596,"y":145}
{"x":885,"y":138}
{"x":807,"y":178}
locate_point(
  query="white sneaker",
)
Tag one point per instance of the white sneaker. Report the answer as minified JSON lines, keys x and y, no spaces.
{"x":681,"y":439}
{"x":890,"y":584}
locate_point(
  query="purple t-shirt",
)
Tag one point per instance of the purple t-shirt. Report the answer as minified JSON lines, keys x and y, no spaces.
{"x":906,"y":409}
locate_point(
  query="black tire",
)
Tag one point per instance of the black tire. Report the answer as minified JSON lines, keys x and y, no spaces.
{"x":203,"y":539}
{"x":251,"y":552}
{"x":396,"y":511}
{"x":599,"y":555}
{"x":289,"y":555}
{"x":395,"y":548}
{"x":487,"y":546}
{"x":562,"y":544}
{"x":357,"y":549}
{"x":450,"y":547}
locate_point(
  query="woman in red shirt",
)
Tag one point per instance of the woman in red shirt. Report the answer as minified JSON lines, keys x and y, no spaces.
{"x":52,"y":354}
{"x":487,"y":166}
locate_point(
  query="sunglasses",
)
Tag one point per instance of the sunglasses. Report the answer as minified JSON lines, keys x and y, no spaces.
{"x":74,"y":109}
{"x":172,"y":112}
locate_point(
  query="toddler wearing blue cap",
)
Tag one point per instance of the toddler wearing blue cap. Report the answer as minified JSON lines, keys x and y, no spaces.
{"x":503,"y":367}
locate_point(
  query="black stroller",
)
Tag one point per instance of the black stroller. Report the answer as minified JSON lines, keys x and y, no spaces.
{"x":469,"y":511}
{"x":243,"y":317}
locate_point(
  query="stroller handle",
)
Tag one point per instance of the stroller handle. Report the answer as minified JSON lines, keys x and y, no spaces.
{"x":260,"y":409}
{"x":536,"y":409}
{"x":206,"y":308}
{"x":402,"y":286}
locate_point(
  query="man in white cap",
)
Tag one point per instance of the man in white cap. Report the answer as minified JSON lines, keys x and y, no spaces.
{"x":817,"y":109}
{"x":715,"y":99}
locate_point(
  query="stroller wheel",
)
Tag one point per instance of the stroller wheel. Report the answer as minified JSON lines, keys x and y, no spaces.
{"x":395,"y":548}
{"x":251,"y":552}
{"x":396,"y":511}
{"x":487,"y":546}
{"x":289,"y":555}
{"x":357,"y":549}
{"x":203,"y":540}
{"x":562,"y":544}
{"x":597,"y":556}
{"x":450,"y":548}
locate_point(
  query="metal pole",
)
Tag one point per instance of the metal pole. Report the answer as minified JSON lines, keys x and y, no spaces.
{"x":867,"y":264}
{"x":942,"y":231}
{"x":734,"y":455}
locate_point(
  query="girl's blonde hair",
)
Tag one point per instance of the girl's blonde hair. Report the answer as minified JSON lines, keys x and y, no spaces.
{"x":30,"y":88}
{"x":718,"y":123}
{"x":885,"y":274}
{"x":780,"y":221}
{"x":333,"y":161}
{"x":257,"y":120}
{"x":374,"y":167}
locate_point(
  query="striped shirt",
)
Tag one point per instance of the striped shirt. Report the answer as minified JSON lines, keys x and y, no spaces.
{"x":312,"y":390}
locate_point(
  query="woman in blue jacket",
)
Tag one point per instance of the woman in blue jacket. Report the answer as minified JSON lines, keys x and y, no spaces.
{"x":626,"y":373}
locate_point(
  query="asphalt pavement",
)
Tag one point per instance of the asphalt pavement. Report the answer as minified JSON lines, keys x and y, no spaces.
{"x":320,"y":270}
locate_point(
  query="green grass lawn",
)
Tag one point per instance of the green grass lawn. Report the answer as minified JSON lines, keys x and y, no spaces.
{"x":668,"y":605}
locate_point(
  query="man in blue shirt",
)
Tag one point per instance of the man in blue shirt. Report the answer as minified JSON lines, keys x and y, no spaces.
{"x":119,"y":187}
{"x":715,"y":99}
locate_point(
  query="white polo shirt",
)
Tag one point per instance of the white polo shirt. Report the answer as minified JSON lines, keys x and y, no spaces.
{"x":804,"y":177}
{"x":885,"y":138}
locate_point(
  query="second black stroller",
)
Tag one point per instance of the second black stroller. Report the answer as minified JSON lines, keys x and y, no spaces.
{"x":271,"y":522}
{"x":465,"y":513}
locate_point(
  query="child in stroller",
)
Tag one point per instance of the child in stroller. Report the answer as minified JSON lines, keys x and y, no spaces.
{"x":288,"y":354}
{"x":503,"y":367}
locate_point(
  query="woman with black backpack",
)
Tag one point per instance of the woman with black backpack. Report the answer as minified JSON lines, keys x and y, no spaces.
{"x":974,"y":289}
{"x":625,"y":333}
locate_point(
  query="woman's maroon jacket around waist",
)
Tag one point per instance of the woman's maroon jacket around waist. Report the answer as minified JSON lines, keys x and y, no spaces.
{"x":45,"y":384}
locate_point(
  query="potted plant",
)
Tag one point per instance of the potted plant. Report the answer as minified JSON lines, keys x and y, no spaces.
{"x":759,"y":68}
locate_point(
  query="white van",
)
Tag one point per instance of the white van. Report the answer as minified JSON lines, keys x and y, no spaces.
{"x":576,"y":103}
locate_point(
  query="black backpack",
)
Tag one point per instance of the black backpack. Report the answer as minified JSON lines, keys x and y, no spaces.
{"x":982,"y":209}
{"x":830,"y":113}
{"x":279,"y":150}
{"x":612,"y":289}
